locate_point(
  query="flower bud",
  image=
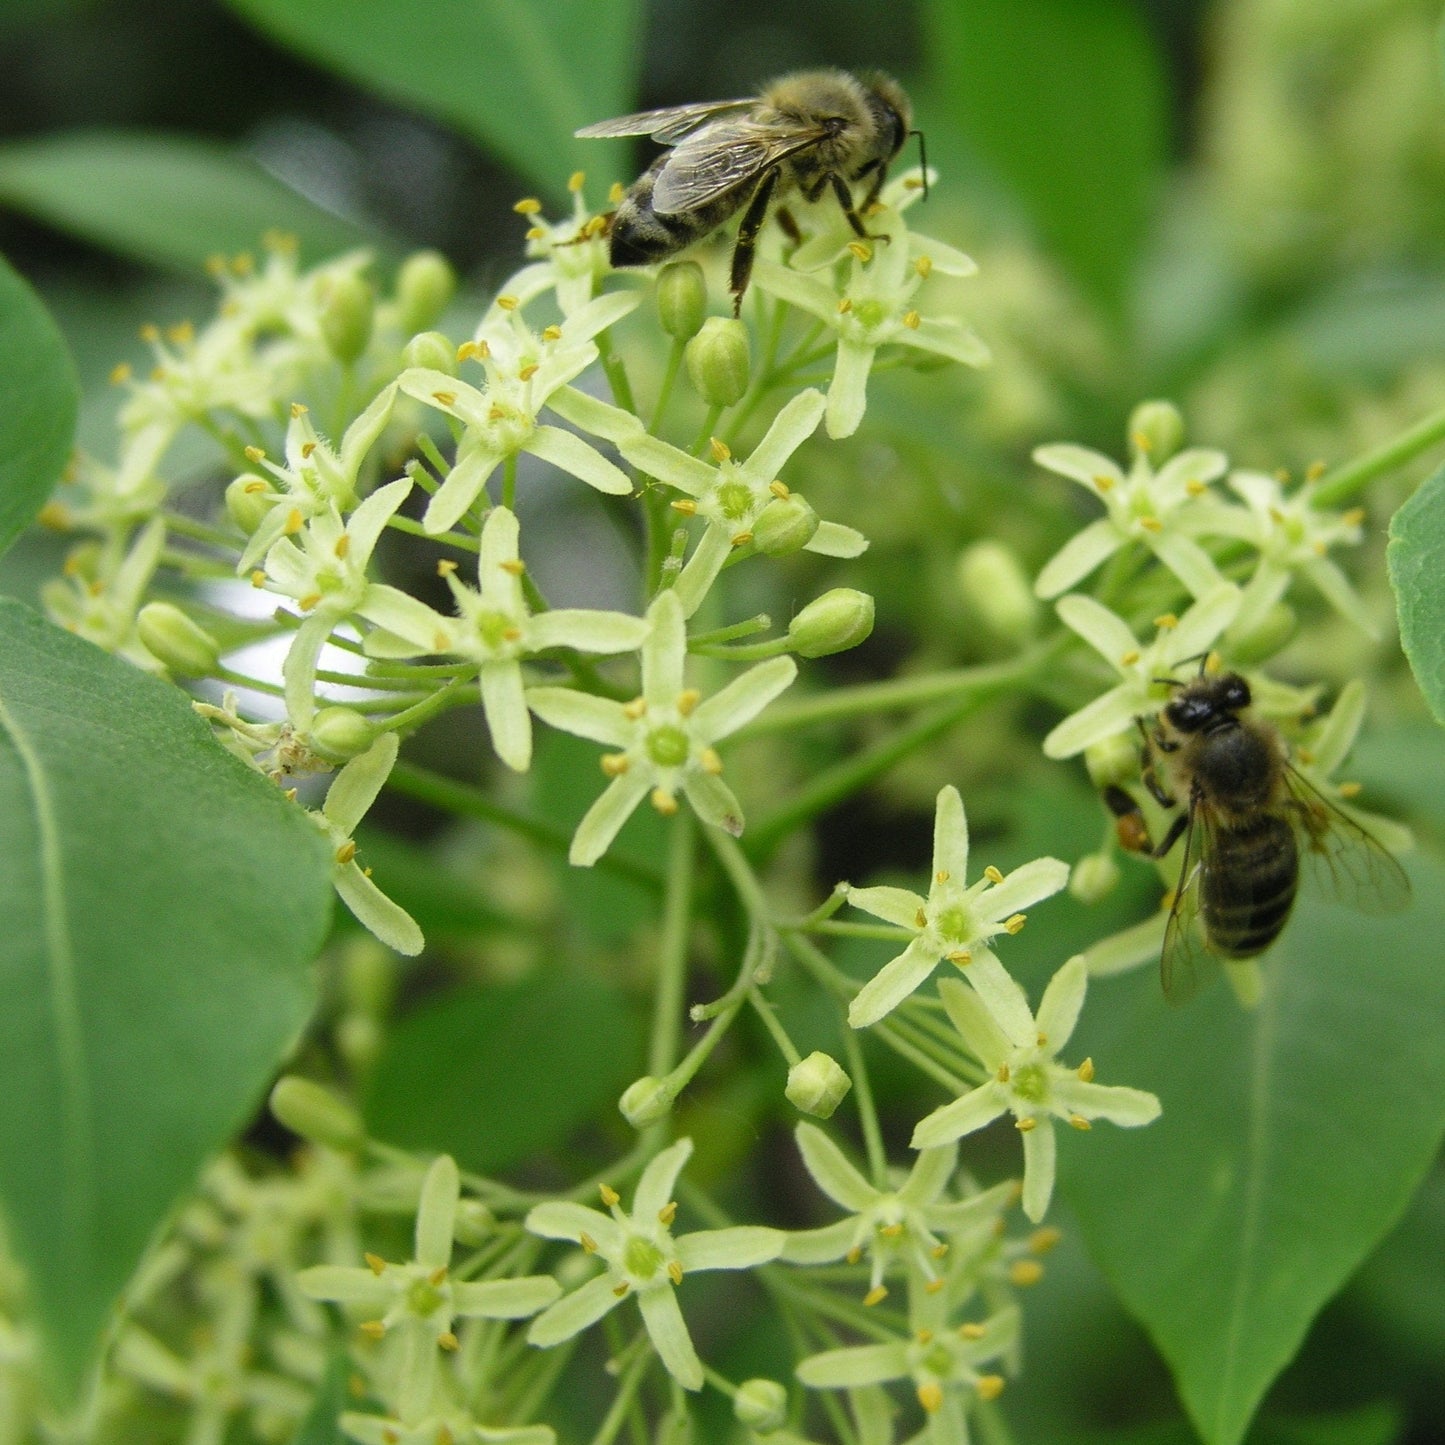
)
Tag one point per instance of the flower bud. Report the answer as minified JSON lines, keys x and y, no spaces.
{"x":1113,"y":761}
{"x":425,"y":285}
{"x":681,"y":299}
{"x":839,"y":619}
{"x":646,"y":1100}
{"x":185,"y":647}
{"x":317,"y":1114}
{"x":718,"y":360}
{"x":341,"y":732}
{"x":248,"y":501}
{"x":786,"y":525}
{"x":348,"y":307}
{"x":817,"y":1085}
{"x":475,"y":1223}
{"x":993,"y":584}
{"x":432,"y":350}
{"x":1094,"y":878}
{"x":1259,"y":642}
{"x":359,"y":1039}
{"x":761,"y":1404}
{"x":675,"y":1428}
{"x":1157,"y":429}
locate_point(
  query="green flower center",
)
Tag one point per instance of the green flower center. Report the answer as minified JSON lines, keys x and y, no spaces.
{"x":492,"y":628}
{"x":1031,"y":1083}
{"x":423,"y":1298}
{"x":870,"y":314}
{"x":735,"y":500}
{"x":641,"y":1258}
{"x":953,"y":923}
{"x":668,"y":746}
{"x":937,"y":1362}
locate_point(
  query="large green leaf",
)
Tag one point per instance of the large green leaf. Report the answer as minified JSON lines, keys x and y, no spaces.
{"x":37,"y":420}
{"x":1064,"y":100}
{"x":1377,"y":1424}
{"x":517,"y":75}
{"x":162,"y":904}
{"x":1416,"y":558}
{"x":170,"y":200}
{"x":1292,"y":1138}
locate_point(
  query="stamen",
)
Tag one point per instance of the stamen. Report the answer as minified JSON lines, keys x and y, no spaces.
{"x":1025,"y":1272}
{"x":346,"y":852}
{"x":1025,"y":1126}
{"x":912,"y":320}
{"x":576,"y":181}
{"x":876,"y":1295}
{"x":687,"y":700}
{"x":780,"y":491}
{"x":372,"y":1329}
{"x":1086,"y":1071}
{"x":447,"y":398}
{"x":674,"y":1271}
{"x":448,"y":1341}
{"x":667,"y":1213}
{"x":663,"y":801}
{"x":609,"y":1195}
{"x":972,"y":1330}
{"x":1015,"y":923}
{"x":615,"y":764}
{"x":374,"y":1262}
{"x":527,"y":206}
{"x":1165,"y":621}
{"x":992,"y":874}
{"x":688,"y":508}
{"x":930,"y":1396}
{"x":1041,"y":1241}
{"x":255,"y":454}
{"x":989,"y":1387}
{"x":589,"y":1245}
{"x":720,"y":449}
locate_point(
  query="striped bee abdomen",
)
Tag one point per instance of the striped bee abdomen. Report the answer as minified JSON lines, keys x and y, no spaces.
{"x":1249,"y":886}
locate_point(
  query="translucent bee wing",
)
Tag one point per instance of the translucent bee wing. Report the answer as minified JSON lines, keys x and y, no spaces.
{"x":1188,"y":962}
{"x":668,"y":125}
{"x":729,"y":152}
{"x":1343,"y":858}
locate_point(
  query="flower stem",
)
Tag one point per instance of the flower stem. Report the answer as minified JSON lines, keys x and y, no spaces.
{"x":669,"y":379}
{"x":867,"y":1110}
{"x":768,"y":1014}
{"x":1346,"y":481}
{"x":509,"y":482}
{"x":672,"y":953}
{"x":442,"y":699}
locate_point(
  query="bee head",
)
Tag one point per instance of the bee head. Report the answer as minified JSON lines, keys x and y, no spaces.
{"x":1207,"y":700}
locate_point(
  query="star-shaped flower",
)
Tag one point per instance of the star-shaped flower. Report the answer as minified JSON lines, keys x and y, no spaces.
{"x":496,"y":629}
{"x":100,"y":595}
{"x":522,"y":372}
{"x":1029,"y":1081}
{"x":449,"y":1428}
{"x":643,"y":1259}
{"x":894,"y":1227}
{"x":956,"y":921}
{"x":419,"y":1300}
{"x":665,"y":739}
{"x":1140,"y":691}
{"x":570,"y":256}
{"x":1140,"y":506}
{"x":731,"y":495}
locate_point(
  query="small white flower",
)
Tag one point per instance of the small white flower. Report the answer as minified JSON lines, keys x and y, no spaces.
{"x":643,"y":1259}
{"x":955,"y":922}
{"x":1028,"y":1080}
{"x":570,"y":257}
{"x":665,"y":739}
{"x":1140,"y":692}
{"x":1141,"y":506}
{"x":449,"y":1428}
{"x":99,"y":600}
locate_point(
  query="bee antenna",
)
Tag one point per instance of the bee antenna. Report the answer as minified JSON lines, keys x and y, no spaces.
{"x":922,"y":160}
{"x":1169,"y":681}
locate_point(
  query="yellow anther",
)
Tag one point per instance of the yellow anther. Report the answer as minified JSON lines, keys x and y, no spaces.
{"x":54,"y":516}
{"x":446,"y":398}
{"x":482,"y":349}
{"x":913,"y":183}
{"x":609,"y":1195}
{"x":890,"y":1231}
{"x":527,"y":206}
{"x":1025,"y":1272}
{"x":1318,"y":547}
{"x":150,"y":333}
{"x":930,"y":1396}
{"x":845,"y":306}
{"x":989,"y":1387}
{"x":290,"y":796}
{"x":635,"y":709}
{"x":1041,"y":1039}
{"x":1275,"y":515}
{"x":1353,"y":517}
{"x":667,"y":1213}
{"x":551,"y":333}
{"x":1024,"y":1126}
{"x":243,"y":264}
{"x":374,"y":1262}
{"x":720,"y":449}
{"x":854,"y":1255}
{"x":1104,"y":484}
{"x":280,"y":241}
{"x":535,"y":233}
{"x":1015,"y":923}
{"x":595,"y":226}
{"x":589,"y":1245}
{"x":527,"y":372}
{"x":674,"y":1271}
{"x":306,"y":449}
{"x":942,"y":876}
{"x":1350,"y":790}
{"x":614,"y":764}
{"x":1086,"y":1071}
{"x":923,"y":265}
{"x":1142,"y":441}
{"x":920,"y":919}
{"x":251,"y":488}
{"x":445,"y":567}
{"x":514,"y":566}
{"x":960,"y":958}
{"x":741,"y":539}
{"x":1304,"y":755}
{"x":1077,"y":1121}
{"x":779,"y":490}
{"x":710,"y":761}
{"x":120,"y":374}
{"x":1128,"y":659}
{"x":1041,"y":1241}
{"x":181,"y":334}
{"x":496,"y":412}
{"x":255,"y":454}
{"x":508,"y":303}
{"x":1314,"y":471}
{"x":215,"y":265}
{"x":1151,"y":524}
{"x":621,"y":1289}
{"x":616,"y":191}
{"x":373,"y":1329}
{"x":939,"y":1250}
{"x":448,"y":1341}
{"x":687,"y":700}
{"x":876,"y":1295}
{"x":466,"y":351}
{"x":993,"y":874}
{"x":512,"y":634}
{"x":933,"y":1286}
{"x":1003,"y":1075}
{"x":912,"y":320}
{"x":861,"y":250}
{"x":346,"y":852}
{"x":342,"y":545}
{"x":258,"y":578}
{"x":663,"y":801}
{"x":1213,"y":662}
{"x":159,"y":374}
{"x":972,"y":1330}
{"x":1195,"y":488}
{"x":1281,"y":474}
{"x":310,"y":600}
{"x":576,"y":181}
{"x":687,"y":507}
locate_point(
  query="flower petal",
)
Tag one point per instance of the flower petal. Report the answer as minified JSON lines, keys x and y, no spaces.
{"x":462,"y":487}
{"x":505,"y":1299}
{"x":436,"y":1214}
{"x":598,"y":718}
{"x":820,"y":1246}
{"x":831,"y":1170}
{"x":1204,"y":621}
{"x":1078,"y":557}
{"x":657,"y":1182}
{"x":1106,"y":632}
{"x":667,"y":463}
{"x":713,"y":801}
{"x":1024,"y":887}
{"x":969,"y":1014}
{"x":1119,"y":1105}
{"x":743,"y":698}
{"x":1129,"y":948}
{"x":1001,"y":993}
{"x":586,"y":629}
{"x":404,"y":616}
{"x":1332,"y":744}
{"x":967,"y":1214}
{"x":792,"y":426}
{"x":497,"y":560}
{"x":892,"y":984}
{"x":832,"y":539}
{"x":574,"y":1312}
{"x":568,"y":451}
{"x":1335,"y":588}
{"x":930,"y":1175}
{"x":1040,"y":1152}
{"x":1105,"y":717}
{"x":564,"y":1219}
{"x":695,"y":580}
{"x":1193,"y":464}
{"x":662,"y":1315}
{"x":740,"y":1247}
{"x":806,"y":292}
{"x":1186,"y":559}
{"x":505,"y":705}
{"x":893,"y":905}
{"x":344,"y":1284}
{"x":604,"y":819}
{"x":664,"y":651}
{"x":365,"y":524}
{"x":376,"y":913}
{"x":950,"y":838}
{"x":590,"y":414}
{"x":943,"y":336}
{"x":1062,"y":1000}
{"x":356,"y":786}
{"x":298,"y":671}
{"x":848,"y":391}
{"x":856,"y":1365}
{"x":1079,"y":464}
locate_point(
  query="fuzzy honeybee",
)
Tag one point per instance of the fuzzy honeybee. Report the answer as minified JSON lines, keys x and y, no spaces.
{"x":808,"y":131}
{"x":1249,"y":819}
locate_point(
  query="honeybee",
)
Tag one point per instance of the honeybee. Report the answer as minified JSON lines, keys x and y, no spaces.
{"x":808,"y":131}
{"x":1249,"y":819}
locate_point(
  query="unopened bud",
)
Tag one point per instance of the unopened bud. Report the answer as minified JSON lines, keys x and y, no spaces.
{"x":432,"y":350}
{"x":646,"y":1100}
{"x":761,"y":1404}
{"x":839,"y":619}
{"x":1157,"y":429}
{"x":359,"y":1038}
{"x":993,"y":584}
{"x":1113,"y":761}
{"x":718,"y":360}
{"x":1094,"y":878}
{"x":786,"y":525}
{"x":475,"y":1223}
{"x":348,"y":308}
{"x":248,"y":502}
{"x":817,"y":1085}
{"x":183,"y":646}
{"x":681,"y":299}
{"x":425,"y":285}
{"x":341,"y":732}
{"x":1259,"y":642}
{"x":317,"y":1114}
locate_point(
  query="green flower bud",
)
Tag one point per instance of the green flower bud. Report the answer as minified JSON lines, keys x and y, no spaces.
{"x":425,"y":285}
{"x":341,"y":732}
{"x":1114,"y":761}
{"x":347,"y":310}
{"x":646,"y":1100}
{"x":317,"y":1114}
{"x":368,"y":974}
{"x":761,"y":1404}
{"x":475,"y":1223}
{"x":839,"y":619}
{"x":1094,"y":878}
{"x":786,"y":525}
{"x":359,"y":1038}
{"x":718,"y":360}
{"x":681,"y":299}
{"x":1157,"y":429}
{"x":993,"y":584}
{"x":431,"y":349}
{"x":817,"y":1085}
{"x":1265,"y":638}
{"x":248,"y":500}
{"x":676,"y":1428}
{"x":185,"y":647}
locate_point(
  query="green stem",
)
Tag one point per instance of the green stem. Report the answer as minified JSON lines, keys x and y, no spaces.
{"x":459,"y":540}
{"x":443,"y":698}
{"x":867,"y":1111}
{"x":669,"y":379}
{"x":993,"y":1428}
{"x":672,"y":953}
{"x":888,"y":932}
{"x":616,"y":373}
{"x":746,"y":652}
{"x":1347,"y":481}
{"x":509,"y":482}
{"x":768,"y":1014}
{"x":199,"y":531}
{"x":747,"y":628}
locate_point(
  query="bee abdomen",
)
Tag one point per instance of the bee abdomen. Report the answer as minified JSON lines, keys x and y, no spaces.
{"x":642,"y":235}
{"x":1250,"y":886}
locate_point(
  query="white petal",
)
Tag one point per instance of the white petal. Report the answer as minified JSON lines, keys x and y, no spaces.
{"x":831,"y":1170}
{"x":713,"y":801}
{"x":792,"y":426}
{"x":946,"y":260}
{"x":1186,"y":559}
{"x":743,"y":698}
{"x":1127,"y":1107}
{"x":1078,"y":557}
{"x":806,"y":292}
{"x":664,"y":651}
{"x":1105,"y":717}
{"x":980,"y":1030}
{"x":668,"y":1330}
{"x":298,"y":671}
{"x":893,"y":905}
{"x":848,"y":391}
{"x":1024,"y":887}
{"x":820,"y":1246}
{"x":1001,"y":993}
{"x":930,"y":1175}
{"x":1193,"y":464}
{"x":968,"y":1214}
{"x":945,"y":337}
{"x":600,"y":313}
{"x":362,"y":434}
{"x":586,"y":629}
{"x":667,"y":463}
{"x":402,"y":615}
{"x":1062,"y":1000}
{"x":424,"y":383}
{"x":740,"y":1247}
{"x":505,"y":1299}
{"x":1336,"y":589}
{"x":695,"y":580}
{"x":892,"y":984}
{"x":589,"y":414}
{"x":1106,"y":632}
{"x":1129,"y":948}
{"x":655,"y":1186}
{"x":1335,"y":739}
{"x":1040,"y":1150}
{"x":356,"y":786}
{"x":1269,"y":583}
{"x":501,"y":533}
{"x":436,"y":1214}
{"x":371,"y":908}
{"x":1079,"y":464}
{"x":598,"y":718}
{"x":950,"y":838}
{"x":1204,"y":621}
{"x":856,"y":1365}
{"x":566,"y":450}
{"x":564,"y":1219}
{"x":344,"y":1284}
{"x":462,"y":487}
{"x":365,"y":524}
{"x":832,"y":539}
{"x":976,"y":1108}
{"x":505,"y":705}
{"x":604,"y":819}
{"x":574,"y":1312}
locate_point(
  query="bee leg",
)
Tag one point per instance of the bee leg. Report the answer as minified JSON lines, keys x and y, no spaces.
{"x":845,"y":200}
{"x":1176,"y":829}
{"x":785,"y":219}
{"x":747,"y":242}
{"x":880,"y":175}
{"x":1129,"y":826}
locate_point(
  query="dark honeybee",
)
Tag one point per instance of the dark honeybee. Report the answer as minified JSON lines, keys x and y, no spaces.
{"x":809,"y":131}
{"x":1249,"y":820}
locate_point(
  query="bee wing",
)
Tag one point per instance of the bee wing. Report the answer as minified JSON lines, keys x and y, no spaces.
{"x":668,"y":125}
{"x":729,"y":152}
{"x":1187,"y":961}
{"x":1344,"y":859}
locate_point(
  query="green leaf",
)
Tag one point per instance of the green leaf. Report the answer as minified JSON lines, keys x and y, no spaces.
{"x":1064,"y":100}
{"x":1416,"y":559}
{"x":492,"y":1076}
{"x":1292,"y":1138}
{"x":170,"y":200}
{"x":517,"y":75}
{"x":42,"y":395}
{"x":320,"y":1425}
{"x":162,"y":904}
{"x":1377,"y":1424}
